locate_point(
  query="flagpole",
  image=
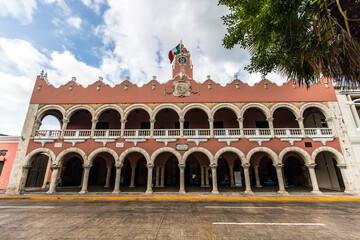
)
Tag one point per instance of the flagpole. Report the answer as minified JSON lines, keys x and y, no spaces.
{"x":180,"y":46}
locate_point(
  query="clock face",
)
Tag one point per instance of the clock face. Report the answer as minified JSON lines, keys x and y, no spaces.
{"x":182,"y":60}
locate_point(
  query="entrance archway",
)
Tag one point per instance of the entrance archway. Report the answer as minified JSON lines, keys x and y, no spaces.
{"x":296,"y":174}
{"x":72,"y":172}
{"x":37,"y":171}
{"x":197,"y":173}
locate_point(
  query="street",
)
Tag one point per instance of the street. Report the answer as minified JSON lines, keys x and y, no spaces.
{"x":179,"y":220}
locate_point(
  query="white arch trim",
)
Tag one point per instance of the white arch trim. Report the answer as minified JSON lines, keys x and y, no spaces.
{"x":230,"y":106}
{"x":131,"y":150}
{"x":93,"y":154}
{"x":44,"y":109}
{"x":239,"y":153}
{"x":34,"y":152}
{"x":270,"y":152}
{"x":77,"y":107}
{"x":157,"y":109}
{"x":260,"y":106}
{"x":133,"y":107}
{"x":59,"y":158}
{"x":289,"y":106}
{"x":105,"y":107}
{"x":198,"y":149}
{"x":339,"y":157}
{"x":319,"y":106}
{"x":305,"y":155}
{"x":196,"y":105}
{"x":162,"y":150}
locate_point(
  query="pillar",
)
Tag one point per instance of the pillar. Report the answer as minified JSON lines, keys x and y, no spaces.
{"x":149,"y":180}
{"x":280,"y":178}
{"x":152,"y":125}
{"x":313,"y":178}
{"x":342,"y":167}
{"x":108,"y":174}
{"x":207,"y":184}
{"x":93,"y":127}
{"x":36,"y":127}
{"x":241,"y":126}
{"x":53,"y":182}
{"x":182,"y":177}
{"x":85,"y":179}
{"x":246,"y":167}
{"x":271,"y":125}
{"x":23,"y":179}
{"x":211,"y":125}
{"x":123,"y":122}
{"x":157,"y":181}
{"x":132,"y":181}
{"x":214,"y":178}
{"x":117,"y":179}
{"x":46,"y":173}
{"x":353,"y":111}
{"x":300,"y":121}
{"x":202,"y":176}
{"x":232,"y":180}
{"x":162,"y":169}
{"x":64,"y":126}
{"x":257,"y":177}
{"x":181,"y":122}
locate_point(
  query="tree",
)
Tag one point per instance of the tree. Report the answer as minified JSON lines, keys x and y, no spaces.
{"x":302,"y":39}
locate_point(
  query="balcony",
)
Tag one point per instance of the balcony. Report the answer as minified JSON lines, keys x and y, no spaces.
{"x":193,"y":135}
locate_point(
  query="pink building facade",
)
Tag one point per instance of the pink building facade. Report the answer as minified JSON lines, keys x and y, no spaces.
{"x":8,"y":146}
{"x":183,"y":136}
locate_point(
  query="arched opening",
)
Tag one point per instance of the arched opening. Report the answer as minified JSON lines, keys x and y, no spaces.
{"x":71,"y":174}
{"x":97,"y":175}
{"x":138,"y":119}
{"x":314,"y":118}
{"x":81,"y":119}
{"x":109,"y":119}
{"x":225,"y":118}
{"x":134,"y":173}
{"x":37,"y":171}
{"x":196,"y":119}
{"x":264,"y":173}
{"x":223,"y":174}
{"x":297,"y":178}
{"x":167,"y":119}
{"x":327,"y":173}
{"x":102,"y":173}
{"x":50,"y":122}
{"x":166,"y":173}
{"x":197,"y":173}
{"x":284,"y":118}
{"x":255,"y":118}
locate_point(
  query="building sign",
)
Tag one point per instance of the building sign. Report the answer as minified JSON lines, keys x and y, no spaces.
{"x":182,"y":147}
{"x":3,"y":152}
{"x":237,"y":176}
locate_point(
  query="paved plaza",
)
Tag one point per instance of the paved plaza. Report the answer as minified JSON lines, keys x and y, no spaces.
{"x":179,"y":219}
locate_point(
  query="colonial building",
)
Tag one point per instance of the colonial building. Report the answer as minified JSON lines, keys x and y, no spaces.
{"x":8,"y":146}
{"x":184,"y":136}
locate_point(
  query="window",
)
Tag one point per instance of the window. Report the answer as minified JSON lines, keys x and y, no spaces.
{"x":1,"y":166}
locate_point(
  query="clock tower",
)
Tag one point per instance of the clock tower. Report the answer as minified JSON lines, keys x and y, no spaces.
{"x":182,"y":64}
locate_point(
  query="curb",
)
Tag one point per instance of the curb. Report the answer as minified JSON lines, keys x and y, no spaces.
{"x":84,"y":198}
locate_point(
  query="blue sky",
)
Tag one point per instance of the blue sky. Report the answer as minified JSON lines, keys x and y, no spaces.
{"x":108,"y":38}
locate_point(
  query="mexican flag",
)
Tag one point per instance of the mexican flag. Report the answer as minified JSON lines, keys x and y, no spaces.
{"x":172,"y":53}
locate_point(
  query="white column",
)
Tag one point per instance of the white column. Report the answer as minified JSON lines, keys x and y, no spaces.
{"x":211,"y":125}
{"x":157,"y":181}
{"x":85,"y":179}
{"x":46,"y":173}
{"x":202,"y":176}
{"x":149,"y":180}
{"x":353,"y":111}
{"x":182,"y":177}
{"x":93,"y":127}
{"x":246,"y":167}
{"x":343,"y":171}
{"x":181,"y":122}
{"x":63,"y":127}
{"x":162,"y":169}
{"x":207,"y":184}
{"x":214,"y":178}
{"x":132,"y":182}
{"x":271,"y":125}
{"x":241,"y":126}
{"x":152,"y":125}
{"x":257,"y":177}
{"x":280,"y":178}
{"x":300,"y":121}
{"x":232,"y":180}
{"x":314,"y":182}
{"x":108,"y":174}
{"x":117,"y":179}
{"x":123,"y":122}
{"x":53,"y":182}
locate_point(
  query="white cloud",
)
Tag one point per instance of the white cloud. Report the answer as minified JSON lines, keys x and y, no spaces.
{"x":75,"y":22}
{"x":21,"y":9}
{"x":94,"y":4}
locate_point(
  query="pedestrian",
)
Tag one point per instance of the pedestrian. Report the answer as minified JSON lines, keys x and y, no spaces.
{"x":59,"y":182}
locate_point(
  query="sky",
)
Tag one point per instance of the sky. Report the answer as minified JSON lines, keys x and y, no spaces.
{"x":109,"y":38}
